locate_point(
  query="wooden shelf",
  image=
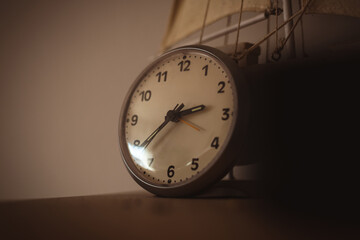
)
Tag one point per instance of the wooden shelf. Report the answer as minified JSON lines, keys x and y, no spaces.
{"x":141,"y":215}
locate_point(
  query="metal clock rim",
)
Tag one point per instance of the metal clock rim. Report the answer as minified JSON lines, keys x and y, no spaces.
{"x":224,"y":159}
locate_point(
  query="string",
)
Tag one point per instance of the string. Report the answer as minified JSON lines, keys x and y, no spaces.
{"x":297,"y":21}
{"x":276,"y":54}
{"x":238,"y":28}
{"x":253,"y":47}
{"x":267,"y":42}
{"x":302,"y":36}
{"x":300,"y":12}
{"x":277,"y":25}
{"x":203,"y":26}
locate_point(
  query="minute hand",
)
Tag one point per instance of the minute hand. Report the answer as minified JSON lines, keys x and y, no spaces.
{"x":191,"y":110}
{"x":152,"y":135}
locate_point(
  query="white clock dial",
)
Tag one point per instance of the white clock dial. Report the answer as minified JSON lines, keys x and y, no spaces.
{"x":179,"y":117}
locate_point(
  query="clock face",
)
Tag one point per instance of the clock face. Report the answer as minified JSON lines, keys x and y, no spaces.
{"x":178,"y":118}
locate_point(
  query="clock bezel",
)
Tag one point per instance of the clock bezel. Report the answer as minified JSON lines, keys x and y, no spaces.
{"x":226,"y":157}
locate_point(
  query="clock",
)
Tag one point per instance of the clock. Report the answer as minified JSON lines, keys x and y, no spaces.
{"x":184,"y":120}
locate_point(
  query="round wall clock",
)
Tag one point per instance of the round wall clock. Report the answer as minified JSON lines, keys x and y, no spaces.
{"x":183,"y":121}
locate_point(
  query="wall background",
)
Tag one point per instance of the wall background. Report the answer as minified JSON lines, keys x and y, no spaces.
{"x":65,"y":67}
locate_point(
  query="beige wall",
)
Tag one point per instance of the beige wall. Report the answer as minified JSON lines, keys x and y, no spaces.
{"x":64,"y":69}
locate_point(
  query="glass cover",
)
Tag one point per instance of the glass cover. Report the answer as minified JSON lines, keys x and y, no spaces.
{"x":179,"y":117}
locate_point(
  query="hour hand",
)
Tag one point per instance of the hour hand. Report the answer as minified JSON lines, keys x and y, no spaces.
{"x":192,"y":110}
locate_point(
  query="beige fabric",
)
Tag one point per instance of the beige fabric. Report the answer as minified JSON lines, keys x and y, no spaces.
{"x":338,"y":7}
{"x":187,"y":16}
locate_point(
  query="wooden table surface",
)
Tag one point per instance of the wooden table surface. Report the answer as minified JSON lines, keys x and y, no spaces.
{"x":141,"y":215}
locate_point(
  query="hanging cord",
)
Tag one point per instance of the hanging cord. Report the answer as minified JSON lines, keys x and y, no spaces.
{"x":278,"y":51}
{"x":246,"y":52}
{"x":276,"y":55}
{"x":302,"y":36}
{"x":253,"y":47}
{"x":203,"y":26}
{"x":277,"y":23}
{"x":274,"y":10}
{"x":238,"y":28}
{"x":267,"y":41}
{"x":293,"y":27}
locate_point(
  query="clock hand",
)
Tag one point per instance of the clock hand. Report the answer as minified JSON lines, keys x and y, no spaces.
{"x":153,"y":134}
{"x":189,"y":124}
{"x":170,"y":116}
{"x":177,"y":115}
{"x":192,"y":110}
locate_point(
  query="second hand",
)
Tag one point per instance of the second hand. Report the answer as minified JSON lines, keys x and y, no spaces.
{"x":189,"y":124}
